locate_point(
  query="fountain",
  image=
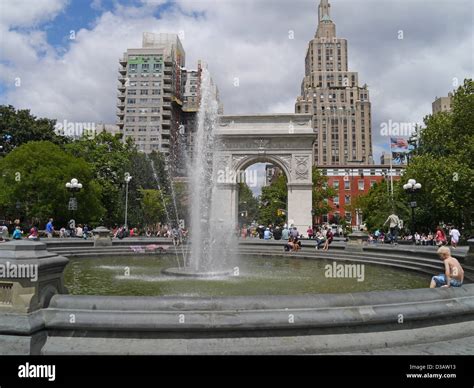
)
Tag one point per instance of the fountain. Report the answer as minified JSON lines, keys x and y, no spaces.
{"x":211,"y":236}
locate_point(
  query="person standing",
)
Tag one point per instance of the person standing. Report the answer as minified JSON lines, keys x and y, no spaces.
{"x":454,"y":234}
{"x":285,"y":234}
{"x":79,"y":231}
{"x":50,"y":228}
{"x":394,"y":223}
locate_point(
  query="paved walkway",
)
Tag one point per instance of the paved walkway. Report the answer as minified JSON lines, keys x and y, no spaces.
{"x":462,"y":346}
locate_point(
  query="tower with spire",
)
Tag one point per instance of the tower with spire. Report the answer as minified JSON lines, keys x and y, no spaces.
{"x":331,"y":93}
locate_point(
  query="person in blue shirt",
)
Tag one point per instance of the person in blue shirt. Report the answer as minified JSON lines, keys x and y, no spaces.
{"x":50,"y":228}
{"x":17,"y":234}
{"x":267,"y":235}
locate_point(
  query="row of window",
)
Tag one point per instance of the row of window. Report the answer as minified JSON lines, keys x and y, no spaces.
{"x":145,"y":67}
{"x":141,"y":119}
{"x":143,"y":101}
{"x":143,"y":92}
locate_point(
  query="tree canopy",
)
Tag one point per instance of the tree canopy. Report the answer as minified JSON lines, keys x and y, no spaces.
{"x":33,"y":185}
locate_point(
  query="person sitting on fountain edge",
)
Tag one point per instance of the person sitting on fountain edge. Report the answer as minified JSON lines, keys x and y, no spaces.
{"x":453,"y":275}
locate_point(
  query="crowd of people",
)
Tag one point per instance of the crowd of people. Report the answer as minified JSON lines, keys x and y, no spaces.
{"x":323,"y":235}
{"x":442,"y":236}
{"x":453,"y":275}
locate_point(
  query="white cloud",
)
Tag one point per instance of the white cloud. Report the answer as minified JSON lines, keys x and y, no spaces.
{"x":27,"y":13}
{"x":244,"y":39}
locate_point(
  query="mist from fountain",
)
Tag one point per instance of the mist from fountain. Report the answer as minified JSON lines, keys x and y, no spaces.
{"x":212,"y":238}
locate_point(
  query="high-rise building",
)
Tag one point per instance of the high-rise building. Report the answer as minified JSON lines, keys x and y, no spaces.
{"x":158,"y":98}
{"x":442,"y":104}
{"x":149,"y":92}
{"x":331,"y":93}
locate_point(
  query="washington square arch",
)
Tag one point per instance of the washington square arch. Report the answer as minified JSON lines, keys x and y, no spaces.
{"x":284,"y":140}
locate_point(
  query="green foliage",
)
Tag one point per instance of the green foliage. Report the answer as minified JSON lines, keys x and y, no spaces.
{"x":321,"y":193}
{"x":24,"y":127}
{"x":33,"y":185}
{"x":273,"y":198}
{"x":444,"y":165}
{"x":376,"y":205}
{"x":153,"y":207}
{"x":248,"y":203}
{"x":110,"y":160}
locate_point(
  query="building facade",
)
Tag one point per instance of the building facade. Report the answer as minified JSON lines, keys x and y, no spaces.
{"x":442,"y":104}
{"x":331,"y":93}
{"x":149,"y":92}
{"x":350,"y":183}
{"x":158,"y":98}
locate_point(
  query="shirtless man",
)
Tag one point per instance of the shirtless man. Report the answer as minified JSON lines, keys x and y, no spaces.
{"x":454,"y":274}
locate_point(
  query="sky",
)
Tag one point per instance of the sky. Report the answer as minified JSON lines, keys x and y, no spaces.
{"x":59,"y":58}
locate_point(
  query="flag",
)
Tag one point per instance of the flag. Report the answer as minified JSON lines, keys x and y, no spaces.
{"x":399,"y":157}
{"x":398,"y":144}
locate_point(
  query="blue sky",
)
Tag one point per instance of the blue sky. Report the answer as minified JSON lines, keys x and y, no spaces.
{"x":76,"y":80}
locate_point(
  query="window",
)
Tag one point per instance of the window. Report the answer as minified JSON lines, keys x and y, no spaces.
{"x":347,"y":199}
{"x":372,"y":183}
{"x":361,"y":185}
{"x":348,"y":216}
{"x":347,"y":185}
{"x":132,"y":92}
{"x":144,"y":92}
{"x":131,"y":101}
{"x":336,"y":200}
{"x":335,"y":185}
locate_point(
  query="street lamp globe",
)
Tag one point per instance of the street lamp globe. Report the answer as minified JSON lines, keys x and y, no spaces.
{"x":68,"y":185}
{"x":412,"y":182}
{"x":417,"y":186}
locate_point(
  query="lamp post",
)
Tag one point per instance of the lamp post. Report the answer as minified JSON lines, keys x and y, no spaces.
{"x":74,"y":187}
{"x":411,"y":188}
{"x":128,"y":178}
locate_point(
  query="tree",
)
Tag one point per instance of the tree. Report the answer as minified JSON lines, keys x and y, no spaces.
{"x":444,"y":164}
{"x":18,"y":127}
{"x":110,"y":160}
{"x":272,"y":200}
{"x":376,"y":205}
{"x":248,"y":204}
{"x":33,"y":185}
{"x":153,"y":207}
{"x":321,"y":193}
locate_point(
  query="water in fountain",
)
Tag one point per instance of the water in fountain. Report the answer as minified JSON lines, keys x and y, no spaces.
{"x":211,"y":236}
{"x":165,"y":207}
